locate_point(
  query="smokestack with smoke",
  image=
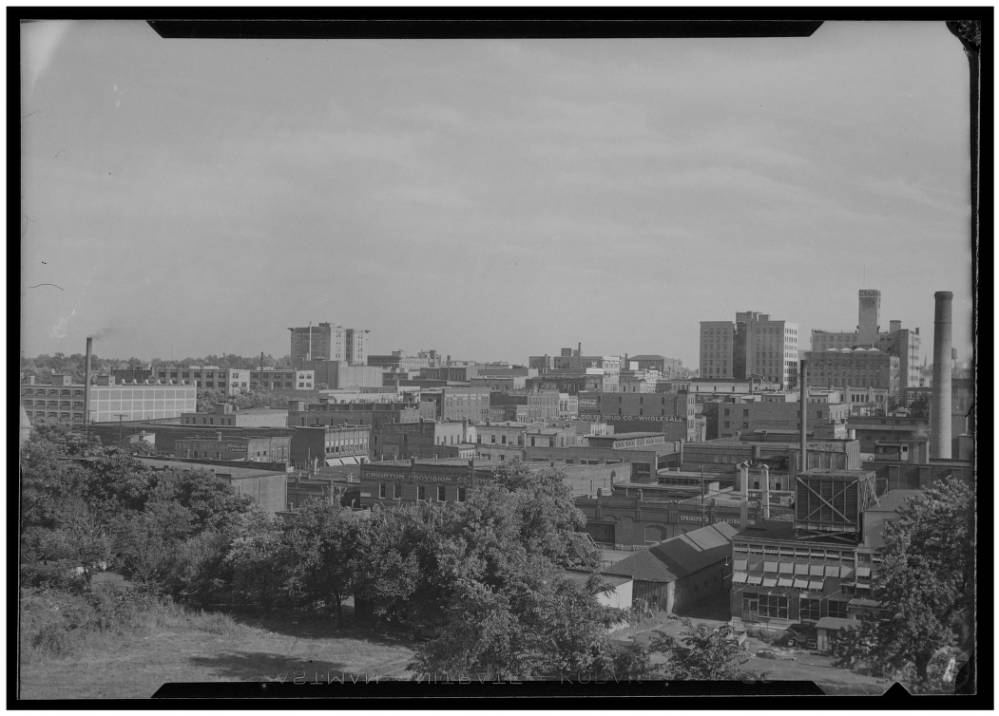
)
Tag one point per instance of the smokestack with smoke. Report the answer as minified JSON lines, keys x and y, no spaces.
{"x":940,"y":401}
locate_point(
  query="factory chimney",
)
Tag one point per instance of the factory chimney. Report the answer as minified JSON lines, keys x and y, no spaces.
{"x":940,"y":405}
{"x":744,"y":499}
{"x":803,"y":407}
{"x":86,"y":382}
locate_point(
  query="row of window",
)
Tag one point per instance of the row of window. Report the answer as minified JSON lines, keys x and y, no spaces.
{"x":421,"y":492}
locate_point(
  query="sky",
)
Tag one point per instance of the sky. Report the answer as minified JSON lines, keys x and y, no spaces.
{"x":490,"y":199}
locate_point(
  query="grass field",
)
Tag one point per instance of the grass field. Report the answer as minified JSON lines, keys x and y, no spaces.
{"x":199,"y":650}
{"x":183,"y":646}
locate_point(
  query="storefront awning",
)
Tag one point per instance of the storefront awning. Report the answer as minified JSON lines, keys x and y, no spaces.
{"x":754,"y":579}
{"x":785,"y":582}
{"x":769,"y":582}
{"x":800,"y":584}
{"x":815,"y":585}
{"x":738,"y":577}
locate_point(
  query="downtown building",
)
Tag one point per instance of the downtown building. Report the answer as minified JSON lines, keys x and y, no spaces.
{"x":754,"y":347}
{"x":326,"y":342}
{"x":904,"y":343}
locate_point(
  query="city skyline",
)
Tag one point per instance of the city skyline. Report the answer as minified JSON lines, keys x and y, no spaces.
{"x":491,"y":199}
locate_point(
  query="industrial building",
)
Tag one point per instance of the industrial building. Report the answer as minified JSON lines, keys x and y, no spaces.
{"x":67,"y":403}
{"x":680,"y":572}
{"x":901,"y":342}
{"x":854,"y":367}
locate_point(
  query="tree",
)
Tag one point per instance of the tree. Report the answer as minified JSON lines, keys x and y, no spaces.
{"x":320,"y":540}
{"x":702,"y":653}
{"x":925,"y":583}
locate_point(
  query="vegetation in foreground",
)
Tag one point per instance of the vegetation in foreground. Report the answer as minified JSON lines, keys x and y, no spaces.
{"x":477,"y":584}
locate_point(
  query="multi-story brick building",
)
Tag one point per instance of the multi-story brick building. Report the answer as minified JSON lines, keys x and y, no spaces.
{"x":229,"y":447}
{"x":282,"y":380}
{"x":901,"y":342}
{"x":204,"y":377}
{"x":329,"y":445}
{"x":325,"y":412}
{"x":225,"y":415}
{"x":398,"y":482}
{"x":856,"y":368}
{"x":823,"y":420}
{"x":455,"y":403}
{"x":425,"y":439}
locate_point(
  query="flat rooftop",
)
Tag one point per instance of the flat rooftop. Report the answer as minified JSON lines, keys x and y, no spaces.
{"x":249,"y":470}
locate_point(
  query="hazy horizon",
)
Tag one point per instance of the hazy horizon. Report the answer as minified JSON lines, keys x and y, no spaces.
{"x":489,"y":199}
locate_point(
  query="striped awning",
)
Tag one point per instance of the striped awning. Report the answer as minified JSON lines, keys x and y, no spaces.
{"x":801,"y":569}
{"x":769,"y":566}
{"x":754,"y":579}
{"x":815,"y":584}
{"x":800,"y":584}
{"x":785,"y":582}
{"x":786,"y":568}
{"x":769,"y":581}
{"x":738,"y":577}
{"x":817,"y":570}
{"x":863,"y":571}
{"x":832,"y":570}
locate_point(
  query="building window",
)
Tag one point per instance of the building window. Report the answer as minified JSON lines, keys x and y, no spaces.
{"x":397,"y":491}
{"x":441,"y":495}
{"x":421,"y":492}
{"x":836,"y":608}
{"x":810,"y":609}
{"x":461,"y":494}
{"x":382,"y":490}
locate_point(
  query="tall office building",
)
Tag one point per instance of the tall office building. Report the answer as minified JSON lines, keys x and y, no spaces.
{"x":350,"y":345}
{"x":717,"y":349}
{"x":755,"y":346}
{"x":310,"y":343}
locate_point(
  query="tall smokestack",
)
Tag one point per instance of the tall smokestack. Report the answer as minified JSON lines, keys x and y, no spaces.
{"x":803,"y":407}
{"x":940,"y":407}
{"x":744,"y":498}
{"x":86,"y":382}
